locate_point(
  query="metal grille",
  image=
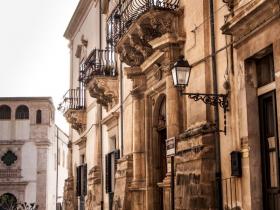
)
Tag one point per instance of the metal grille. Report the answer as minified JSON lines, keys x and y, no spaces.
{"x":73,"y":99}
{"x":127,"y":11}
{"x":99,"y":62}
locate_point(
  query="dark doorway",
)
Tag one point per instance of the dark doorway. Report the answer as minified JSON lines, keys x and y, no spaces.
{"x":161,"y":149}
{"x":8,"y":201}
{"x":269,"y":151}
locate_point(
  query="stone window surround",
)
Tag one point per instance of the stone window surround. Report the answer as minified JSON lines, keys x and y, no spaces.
{"x":249,"y":140}
{"x":15,"y":147}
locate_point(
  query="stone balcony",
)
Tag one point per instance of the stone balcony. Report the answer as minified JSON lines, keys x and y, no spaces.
{"x":246,"y":17}
{"x":133,"y":24}
{"x":73,"y":109}
{"x":100,"y":77}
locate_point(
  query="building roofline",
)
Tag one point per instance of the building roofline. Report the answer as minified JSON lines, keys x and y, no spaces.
{"x":48,"y":99}
{"x":81,"y":11}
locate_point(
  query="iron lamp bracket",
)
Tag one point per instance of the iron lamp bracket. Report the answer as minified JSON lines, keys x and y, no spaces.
{"x":213,"y":100}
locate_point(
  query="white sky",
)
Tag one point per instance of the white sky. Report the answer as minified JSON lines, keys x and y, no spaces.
{"x":34,"y":57}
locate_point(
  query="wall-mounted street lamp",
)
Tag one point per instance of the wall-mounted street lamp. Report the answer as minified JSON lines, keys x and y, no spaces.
{"x":181,"y":72}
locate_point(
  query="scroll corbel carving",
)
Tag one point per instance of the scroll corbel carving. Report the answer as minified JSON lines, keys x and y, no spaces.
{"x":163,"y":23}
{"x":131,"y":56}
{"x":141,"y":45}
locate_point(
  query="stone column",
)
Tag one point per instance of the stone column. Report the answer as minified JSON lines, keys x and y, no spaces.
{"x":138,"y":182}
{"x":41,"y":182}
{"x":172,"y":108}
{"x":172,"y":127}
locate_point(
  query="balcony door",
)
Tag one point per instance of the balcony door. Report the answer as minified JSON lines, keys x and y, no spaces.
{"x":270,"y":151}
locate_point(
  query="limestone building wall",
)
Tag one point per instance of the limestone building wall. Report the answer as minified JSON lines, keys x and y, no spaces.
{"x":149,"y":109}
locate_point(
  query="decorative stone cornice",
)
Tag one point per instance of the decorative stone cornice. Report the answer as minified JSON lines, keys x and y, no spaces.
{"x":249,"y":17}
{"x":81,"y":142}
{"x":105,"y":89}
{"x":198,"y":129}
{"x":77,"y":119}
{"x":111,"y":120}
{"x":12,"y":142}
{"x":76,"y":20}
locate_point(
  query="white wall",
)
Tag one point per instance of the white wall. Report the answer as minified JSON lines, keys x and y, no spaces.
{"x":5,"y":128}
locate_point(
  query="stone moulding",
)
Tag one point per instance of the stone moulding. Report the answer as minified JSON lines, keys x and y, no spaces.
{"x":10,"y":173}
{"x":249,"y":17}
{"x":105,"y":89}
{"x":77,"y":119}
{"x":198,"y":129}
{"x":111,"y":120}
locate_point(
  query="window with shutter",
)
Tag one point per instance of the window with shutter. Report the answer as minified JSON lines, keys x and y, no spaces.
{"x":84,"y":179}
{"x":78,"y":184}
{"x":108,"y":174}
{"x":117,"y":156}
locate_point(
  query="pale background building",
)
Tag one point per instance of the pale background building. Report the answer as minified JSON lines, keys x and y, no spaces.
{"x":29,"y":141}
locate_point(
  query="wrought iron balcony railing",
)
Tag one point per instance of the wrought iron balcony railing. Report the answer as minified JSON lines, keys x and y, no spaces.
{"x":127,"y":11}
{"x":98,"y":63}
{"x":73,"y":99}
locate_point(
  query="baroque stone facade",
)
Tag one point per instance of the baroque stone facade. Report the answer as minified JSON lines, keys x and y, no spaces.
{"x":121,"y":159}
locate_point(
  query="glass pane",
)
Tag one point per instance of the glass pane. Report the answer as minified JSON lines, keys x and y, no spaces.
{"x":273,"y":162}
{"x":265,"y":70}
{"x":182,"y":75}
{"x":174,"y":76}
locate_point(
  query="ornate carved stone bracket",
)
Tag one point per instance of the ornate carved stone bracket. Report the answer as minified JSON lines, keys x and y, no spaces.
{"x":77,"y":119}
{"x":134,"y":47}
{"x":105,"y":90}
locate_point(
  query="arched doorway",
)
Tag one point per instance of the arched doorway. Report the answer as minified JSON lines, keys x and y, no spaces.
{"x":8,"y":202}
{"x":159,"y":149}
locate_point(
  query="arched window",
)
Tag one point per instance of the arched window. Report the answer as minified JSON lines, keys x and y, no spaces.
{"x":5,"y":112}
{"x":38,"y":117}
{"x":22,"y":112}
{"x":8,"y":201}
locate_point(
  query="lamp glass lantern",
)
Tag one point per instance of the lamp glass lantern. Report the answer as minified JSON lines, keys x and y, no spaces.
{"x":181,"y":73}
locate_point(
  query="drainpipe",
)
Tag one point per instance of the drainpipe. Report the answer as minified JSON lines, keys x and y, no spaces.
{"x":56,"y":192}
{"x":100,"y":116}
{"x":121,"y":105}
{"x":218,"y":184}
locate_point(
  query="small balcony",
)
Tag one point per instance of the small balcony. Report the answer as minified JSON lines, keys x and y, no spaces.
{"x":73,"y":108}
{"x":133,"y":24}
{"x":99,"y":75}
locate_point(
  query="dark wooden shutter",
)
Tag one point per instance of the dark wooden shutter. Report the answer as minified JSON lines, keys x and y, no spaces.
{"x":108,"y":173}
{"x":78,"y":183}
{"x":117,"y":156}
{"x":84,"y":168}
